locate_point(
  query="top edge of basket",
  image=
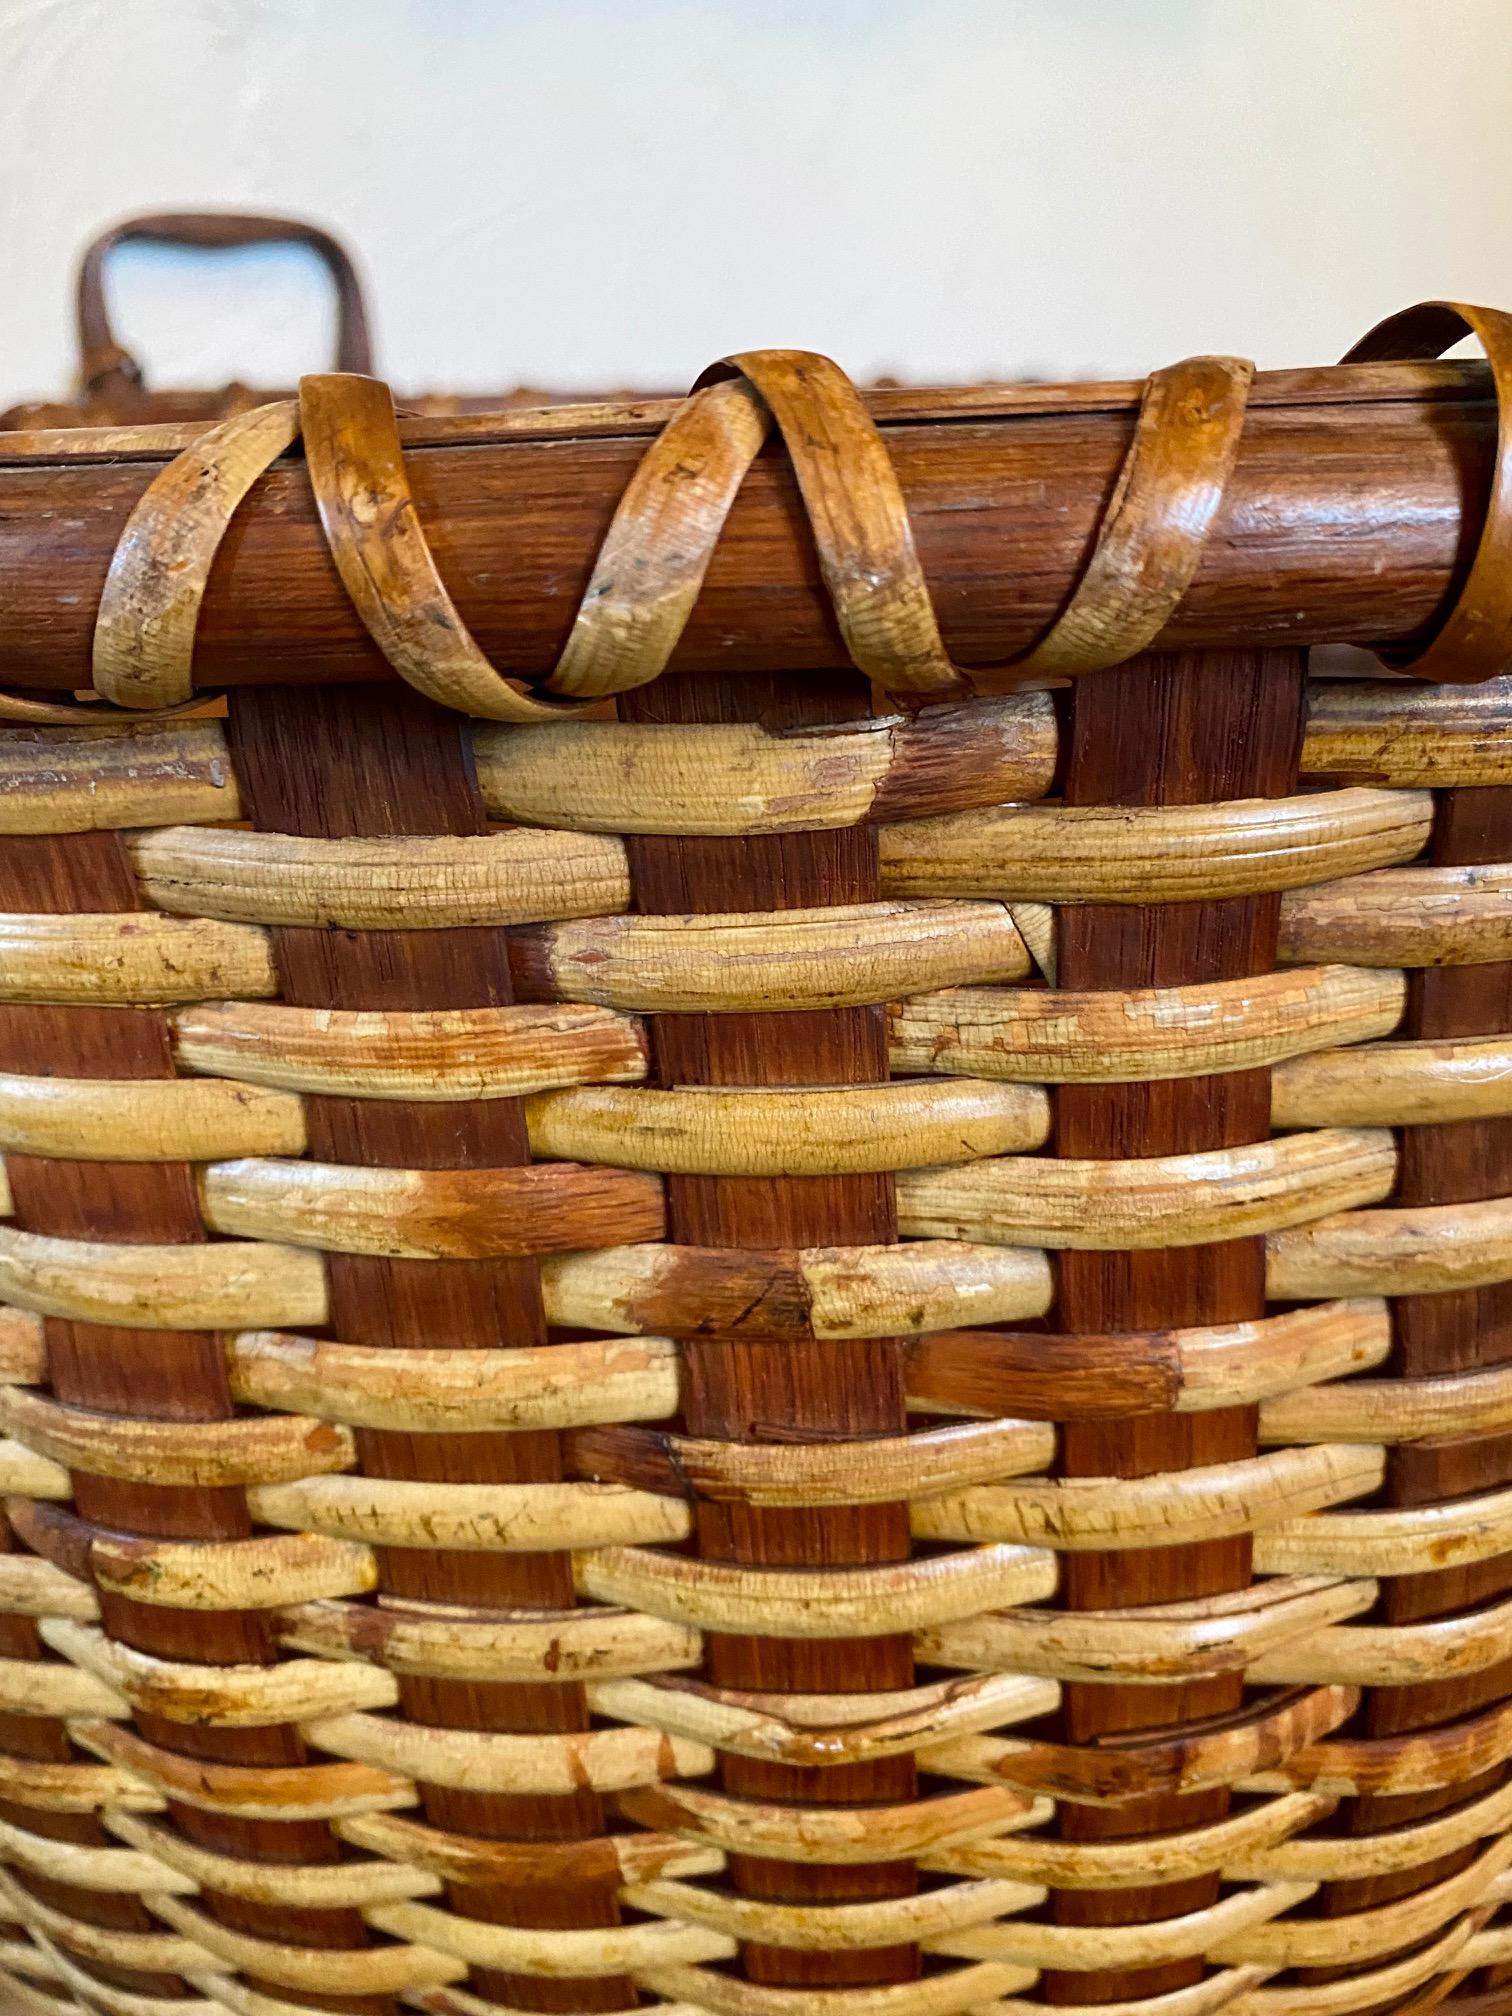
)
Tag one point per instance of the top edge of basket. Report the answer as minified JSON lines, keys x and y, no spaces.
{"x":1457,"y":379}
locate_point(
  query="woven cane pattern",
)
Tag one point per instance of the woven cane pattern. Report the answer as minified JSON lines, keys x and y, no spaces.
{"x":546,"y":1438}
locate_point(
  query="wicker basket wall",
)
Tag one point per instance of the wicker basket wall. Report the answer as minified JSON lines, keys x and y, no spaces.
{"x":767,"y":1341}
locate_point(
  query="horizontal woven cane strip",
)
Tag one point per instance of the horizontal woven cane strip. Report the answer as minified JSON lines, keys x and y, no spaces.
{"x":622,"y":777}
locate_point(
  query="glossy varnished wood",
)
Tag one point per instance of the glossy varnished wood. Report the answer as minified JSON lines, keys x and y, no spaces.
{"x":1164,"y":730}
{"x":1355,"y":497}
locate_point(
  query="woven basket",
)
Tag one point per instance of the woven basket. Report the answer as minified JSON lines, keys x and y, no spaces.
{"x":756,"y":1319}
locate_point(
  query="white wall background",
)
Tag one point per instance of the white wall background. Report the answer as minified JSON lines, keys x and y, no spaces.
{"x":603,"y":192}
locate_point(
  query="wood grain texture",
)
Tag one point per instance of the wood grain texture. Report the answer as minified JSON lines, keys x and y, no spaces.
{"x":1398,"y":1084}
{"x":169,"y":1374}
{"x":1164,"y":730}
{"x":150,"y":1286}
{"x":132,"y":1120}
{"x":383,"y":762}
{"x":1150,"y":1202}
{"x":835,"y":1131}
{"x":1276,"y":1359}
{"x":1356,"y":496}
{"x":741,"y":1391}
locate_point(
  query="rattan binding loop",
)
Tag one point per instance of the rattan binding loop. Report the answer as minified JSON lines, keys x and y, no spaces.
{"x":356,"y":464}
{"x":1150,"y":541}
{"x":149,"y":610}
{"x":143,"y":659}
{"x":144,"y":631}
{"x":1146,"y":552}
{"x":651,"y":567}
{"x":644,"y":583}
{"x":652,"y":564}
{"x":1474,"y":640}
{"x":653,"y":561}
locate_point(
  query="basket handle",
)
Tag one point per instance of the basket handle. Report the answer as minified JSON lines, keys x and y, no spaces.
{"x":102,"y":357}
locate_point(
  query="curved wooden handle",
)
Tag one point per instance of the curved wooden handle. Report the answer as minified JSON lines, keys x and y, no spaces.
{"x":101,"y":356}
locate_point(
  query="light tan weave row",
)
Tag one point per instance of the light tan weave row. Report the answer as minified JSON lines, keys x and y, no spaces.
{"x":623,"y":777}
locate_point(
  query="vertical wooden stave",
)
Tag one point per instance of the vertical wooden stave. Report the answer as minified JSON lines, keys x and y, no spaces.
{"x":733,"y":1388}
{"x":348,"y":761}
{"x":1163,"y":729}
